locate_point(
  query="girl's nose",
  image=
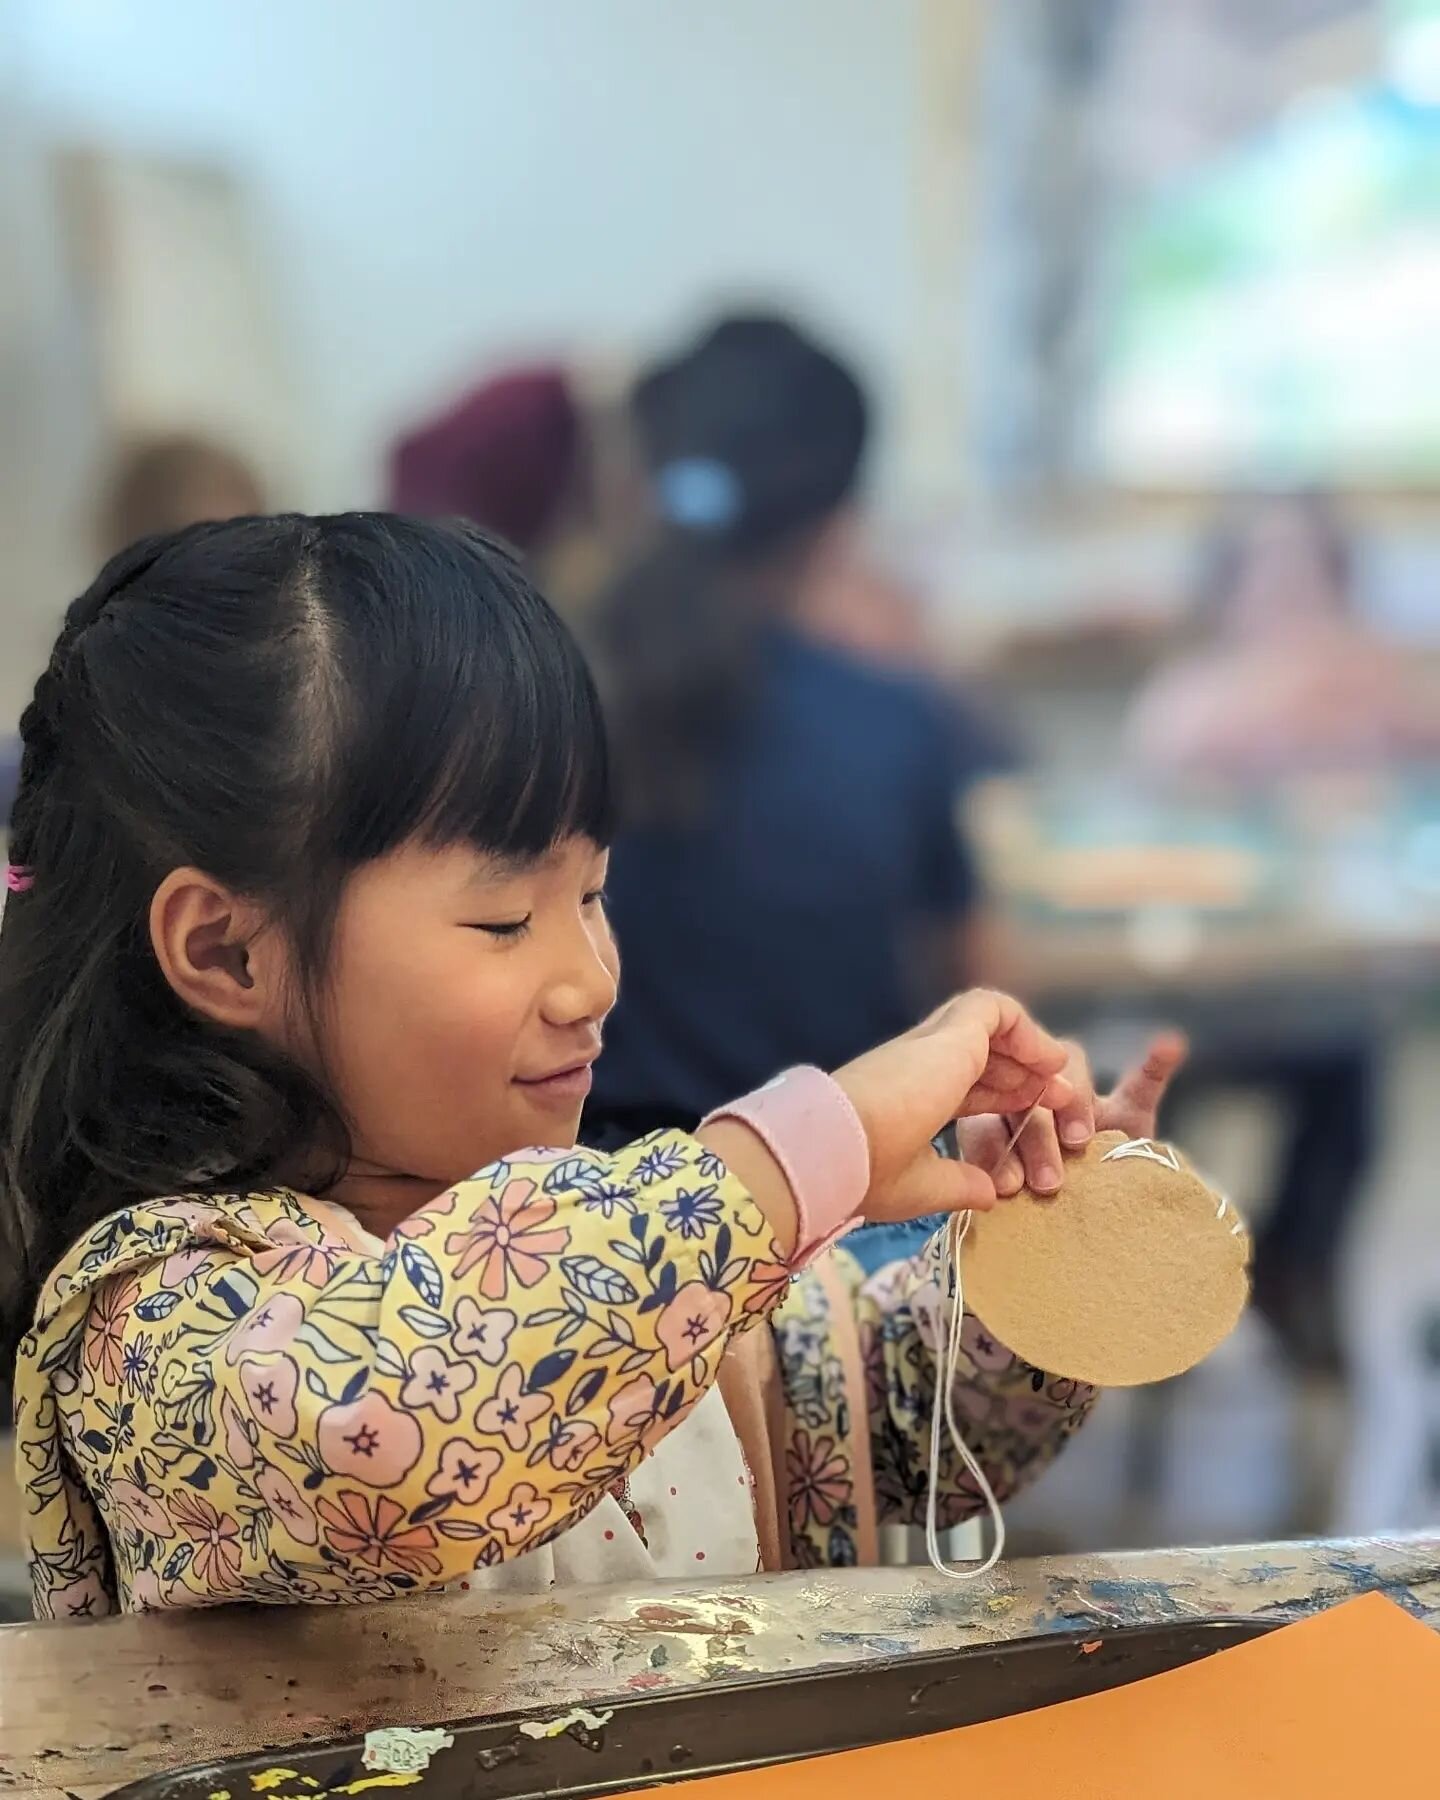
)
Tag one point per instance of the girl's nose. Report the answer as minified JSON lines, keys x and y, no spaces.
{"x":585,"y":991}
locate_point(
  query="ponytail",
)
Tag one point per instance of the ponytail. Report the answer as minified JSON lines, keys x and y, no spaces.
{"x":677,"y":643}
{"x":753,"y":438}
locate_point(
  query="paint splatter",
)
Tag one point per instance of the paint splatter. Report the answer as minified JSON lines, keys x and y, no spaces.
{"x":866,"y":1640}
{"x":399,"y":1750}
{"x":377,"y":1781}
{"x":540,"y":1729}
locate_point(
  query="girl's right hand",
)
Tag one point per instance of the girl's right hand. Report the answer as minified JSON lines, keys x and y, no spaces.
{"x":979,"y":1053}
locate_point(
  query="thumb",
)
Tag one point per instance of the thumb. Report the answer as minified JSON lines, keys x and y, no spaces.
{"x":933,"y":1184}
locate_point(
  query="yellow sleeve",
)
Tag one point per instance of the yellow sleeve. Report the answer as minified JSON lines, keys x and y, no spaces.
{"x":300,"y":1421}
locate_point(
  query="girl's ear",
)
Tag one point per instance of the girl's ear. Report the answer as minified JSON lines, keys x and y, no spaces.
{"x":216,"y":953}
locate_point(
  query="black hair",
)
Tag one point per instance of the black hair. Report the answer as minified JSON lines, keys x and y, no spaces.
{"x":276,"y":701}
{"x":753,"y":438}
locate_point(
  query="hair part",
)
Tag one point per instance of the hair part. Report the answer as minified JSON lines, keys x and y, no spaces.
{"x":277,"y":702}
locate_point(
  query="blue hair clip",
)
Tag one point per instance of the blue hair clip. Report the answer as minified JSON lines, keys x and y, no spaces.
{"x":697,"y":493}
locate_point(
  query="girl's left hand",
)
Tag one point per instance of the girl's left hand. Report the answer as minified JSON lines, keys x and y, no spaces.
{"x":1037,"y":1160}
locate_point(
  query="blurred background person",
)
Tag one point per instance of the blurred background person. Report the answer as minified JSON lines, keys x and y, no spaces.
{"x":789,"y":808}
{"x":154,"y":484}
{"x":537,"y":454}
{"x":1285,"y":679}
{"x":162,"y":483}
{"x":1284,"y":676}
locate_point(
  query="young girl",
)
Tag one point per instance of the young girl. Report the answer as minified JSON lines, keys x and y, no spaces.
{"x":305,"y":924}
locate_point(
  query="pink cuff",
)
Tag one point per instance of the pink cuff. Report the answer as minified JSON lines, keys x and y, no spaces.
{"x":806,"y":1122}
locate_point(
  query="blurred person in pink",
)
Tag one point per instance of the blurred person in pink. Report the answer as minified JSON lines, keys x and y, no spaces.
{"x":1283,"y":677}
{"x":1286,"y":680}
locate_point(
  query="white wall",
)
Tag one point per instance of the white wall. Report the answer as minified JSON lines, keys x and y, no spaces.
{"x":447,"y":180}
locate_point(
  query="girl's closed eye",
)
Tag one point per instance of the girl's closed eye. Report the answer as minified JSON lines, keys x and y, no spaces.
{"x":506,"y":929}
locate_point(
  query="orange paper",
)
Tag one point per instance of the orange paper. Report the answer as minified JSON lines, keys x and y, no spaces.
{"x":1343,"y":1704}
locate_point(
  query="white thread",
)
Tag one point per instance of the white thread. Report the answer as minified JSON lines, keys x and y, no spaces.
{"x":943,"y":1406}
{"x":1149,"y":1149}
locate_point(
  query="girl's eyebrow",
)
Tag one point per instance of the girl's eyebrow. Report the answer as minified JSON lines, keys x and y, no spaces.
{"x":491,"y":868}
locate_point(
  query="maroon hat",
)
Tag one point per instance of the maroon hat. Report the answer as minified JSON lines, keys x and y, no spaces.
{"x":505,"y":457}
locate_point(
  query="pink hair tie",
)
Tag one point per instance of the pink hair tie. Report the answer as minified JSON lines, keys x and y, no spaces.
{"x":17,"y":879}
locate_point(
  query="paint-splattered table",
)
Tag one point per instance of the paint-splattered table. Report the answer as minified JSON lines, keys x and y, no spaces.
{"x":84,"y":1708}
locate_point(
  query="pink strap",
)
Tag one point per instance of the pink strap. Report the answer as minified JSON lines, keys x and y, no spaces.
{"x":806,"y":1122}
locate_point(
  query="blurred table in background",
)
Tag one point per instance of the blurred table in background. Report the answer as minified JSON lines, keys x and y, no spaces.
{"x":1307,"y":910}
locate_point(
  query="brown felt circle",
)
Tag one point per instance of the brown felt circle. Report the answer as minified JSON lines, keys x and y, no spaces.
{"x":1126,"y":1276}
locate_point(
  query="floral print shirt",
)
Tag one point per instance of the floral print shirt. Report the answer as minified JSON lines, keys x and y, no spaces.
{"x":221,"y":1401}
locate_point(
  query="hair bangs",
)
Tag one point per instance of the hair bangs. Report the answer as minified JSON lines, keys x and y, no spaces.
{"x":525,"y":775}
{"x":479,"y":721}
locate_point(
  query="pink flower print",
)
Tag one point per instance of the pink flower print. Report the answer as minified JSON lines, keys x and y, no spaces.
{"x":139,"y":1509}
{"x":176,"y":1270}
{"x":466,"y":1471}
{"x":284,"y":1499}
{"x":237,"y":1433}
{"x":506,"y":1237}
{"x":483,"y":1331}
{"x":197,"y":1214}
{"x":972,"y":1405}
{"x":105,"y":1327}
{"x":633,"y":1411}
{"x":85,"y":1598}
{"x":270,"y":1389}
{"x":296,"y":1257}
{"x":422,"y":1223}
{"x":770,"y":1282}
{"x":691,"y":1323}
{"x":368,"y":1531}
{"x":520,"y":1516}
{"x":984,"y":1350}
{"x":1032,"y":1417}
{"x":271,"y":1326}
{"x":216,"y":1537}
{"x":512,"y":1413}
{"x":146,"y":1593}
{"x":436,"y":1382}
{"x":572,"y":1445}
{"x":369,"y":1440}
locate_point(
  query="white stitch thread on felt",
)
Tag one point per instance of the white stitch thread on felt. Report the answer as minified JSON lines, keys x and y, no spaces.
{"x":943,"y":1407}
{"x":1149,"y":1149}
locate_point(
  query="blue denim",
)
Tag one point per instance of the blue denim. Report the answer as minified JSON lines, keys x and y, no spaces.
{"x":873,"y":1246}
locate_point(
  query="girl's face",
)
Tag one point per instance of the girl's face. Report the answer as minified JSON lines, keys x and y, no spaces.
{"x":467,"y":999}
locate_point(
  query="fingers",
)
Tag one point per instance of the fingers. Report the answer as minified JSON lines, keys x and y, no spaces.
{"x":1013,"y":1034}
{"x":985,"y":1143}
{"x":1134,"y":1105}
{"x":1027,"y":1042}
{"x":932,"y":1185}
{"x":1075,"y":1123}
{"x":1038,"y":1151}
{"x":1007,"y":1088}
